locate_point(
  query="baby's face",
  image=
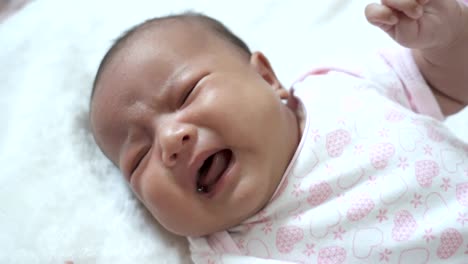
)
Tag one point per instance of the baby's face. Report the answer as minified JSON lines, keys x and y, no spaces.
{"x":197,"y":128}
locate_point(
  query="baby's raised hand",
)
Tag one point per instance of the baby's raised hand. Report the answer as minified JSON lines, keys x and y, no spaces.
{"x":418,"y":24}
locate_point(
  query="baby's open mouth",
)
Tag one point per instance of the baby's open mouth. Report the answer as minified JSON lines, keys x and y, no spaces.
{"x":212,"y":170}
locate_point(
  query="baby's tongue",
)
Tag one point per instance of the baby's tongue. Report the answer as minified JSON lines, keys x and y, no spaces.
{"x":218,"y":165}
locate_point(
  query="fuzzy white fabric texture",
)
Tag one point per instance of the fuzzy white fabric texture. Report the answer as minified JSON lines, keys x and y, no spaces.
{"x":60,"y":199}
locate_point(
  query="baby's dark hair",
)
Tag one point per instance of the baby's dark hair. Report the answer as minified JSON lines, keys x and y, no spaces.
{"x":191,"y":17}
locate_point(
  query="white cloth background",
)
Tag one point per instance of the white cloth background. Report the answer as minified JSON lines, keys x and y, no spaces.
{"x":59,"y":197}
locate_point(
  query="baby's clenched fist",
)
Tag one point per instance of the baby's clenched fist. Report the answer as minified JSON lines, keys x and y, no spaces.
{"x":419,"y":24}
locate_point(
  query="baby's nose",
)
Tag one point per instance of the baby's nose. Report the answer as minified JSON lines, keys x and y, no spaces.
{"x":175,"y":141}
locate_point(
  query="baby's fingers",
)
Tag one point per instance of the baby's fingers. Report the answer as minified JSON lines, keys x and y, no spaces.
{"x":411,"y":8}
{"x":381,"y":16}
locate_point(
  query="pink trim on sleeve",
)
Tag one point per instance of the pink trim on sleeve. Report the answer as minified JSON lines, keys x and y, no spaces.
{"x":418,"y":91}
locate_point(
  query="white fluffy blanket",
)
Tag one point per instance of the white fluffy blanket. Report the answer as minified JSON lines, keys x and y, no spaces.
{"x":59,"y":197}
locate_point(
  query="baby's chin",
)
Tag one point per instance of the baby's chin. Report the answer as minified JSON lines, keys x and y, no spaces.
{"x":196,"y":232}
{"x":209,"y":228}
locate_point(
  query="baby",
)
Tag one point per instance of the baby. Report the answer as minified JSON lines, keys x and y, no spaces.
{"x":349,"y":166}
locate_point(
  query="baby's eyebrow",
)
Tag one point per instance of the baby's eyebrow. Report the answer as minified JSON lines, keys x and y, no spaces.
{"x":175,"y":77}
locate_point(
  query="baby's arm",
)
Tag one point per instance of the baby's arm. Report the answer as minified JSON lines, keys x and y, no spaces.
{"x":437,"y":33}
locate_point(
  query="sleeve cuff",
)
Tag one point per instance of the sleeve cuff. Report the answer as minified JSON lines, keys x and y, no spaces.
{"x":419,"y":93}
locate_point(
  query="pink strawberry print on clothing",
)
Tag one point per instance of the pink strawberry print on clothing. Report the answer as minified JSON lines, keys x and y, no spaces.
{"x":380,"y":155}
{"x":336,"y":142}
{"x":462,"y":193}
{"x":424,"y":171}
{"x":450,"y":241}
{"x":361,"y":206}
{"x":404,"y":226}
{"x":287,"y":237}
{"x":331,"y":255}
{"x":319,"y":193}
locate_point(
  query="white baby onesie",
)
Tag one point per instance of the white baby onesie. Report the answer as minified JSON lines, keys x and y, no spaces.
{"x":375,"y":178}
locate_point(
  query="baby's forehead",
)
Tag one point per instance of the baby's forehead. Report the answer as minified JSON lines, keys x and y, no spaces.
{"x":170,"y":31}
{"x":182,"y":34}
{"x":154,"y":52}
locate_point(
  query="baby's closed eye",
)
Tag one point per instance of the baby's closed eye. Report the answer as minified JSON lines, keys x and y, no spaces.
{"x":137,"y":161}
{"x":188,"y":96}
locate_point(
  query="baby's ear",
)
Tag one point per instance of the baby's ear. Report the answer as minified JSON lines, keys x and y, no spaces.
{"x":263,"y":67}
